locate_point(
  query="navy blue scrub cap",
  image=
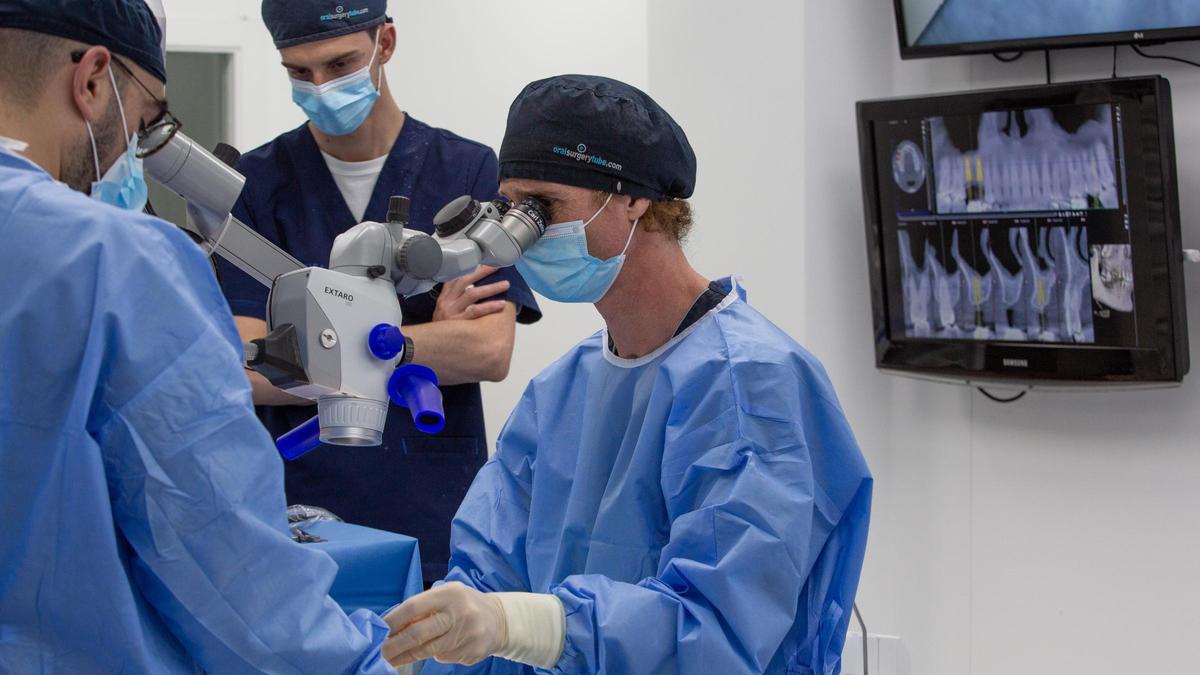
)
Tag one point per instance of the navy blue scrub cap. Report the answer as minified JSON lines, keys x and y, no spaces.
{"x":294,"y":22}
{"x":126,"y":27}
{"x":598,"y":133}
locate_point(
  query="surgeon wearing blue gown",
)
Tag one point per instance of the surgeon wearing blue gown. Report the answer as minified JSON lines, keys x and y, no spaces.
{"x":142,"y":519}
{"x":304,"y":188}
{"x":680,"y":492}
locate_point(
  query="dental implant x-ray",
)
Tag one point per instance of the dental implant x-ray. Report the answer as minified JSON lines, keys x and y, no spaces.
{"x":1025,"y":160}
{"x":1017,"y":284}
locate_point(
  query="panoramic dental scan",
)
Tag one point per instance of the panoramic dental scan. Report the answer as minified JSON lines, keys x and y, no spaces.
{"x":1011,"y":225}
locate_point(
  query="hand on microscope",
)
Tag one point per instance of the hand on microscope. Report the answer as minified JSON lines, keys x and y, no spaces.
{"x":461,"y":299}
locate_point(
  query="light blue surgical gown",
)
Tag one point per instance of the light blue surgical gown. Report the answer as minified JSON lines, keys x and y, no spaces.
{"x":142,"y":518}
{"x":702,"y":509}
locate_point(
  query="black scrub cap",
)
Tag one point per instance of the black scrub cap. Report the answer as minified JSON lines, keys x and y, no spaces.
{"x":127,"y":28}
{"x":295,"y":22}
{"x":598,"y":133}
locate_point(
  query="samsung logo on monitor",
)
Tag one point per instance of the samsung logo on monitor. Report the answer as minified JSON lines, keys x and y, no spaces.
{"x":1016,"y":363}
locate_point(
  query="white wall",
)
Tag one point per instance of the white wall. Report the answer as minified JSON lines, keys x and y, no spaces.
{"x":734,"y":80}
{"x":1054,"y":535}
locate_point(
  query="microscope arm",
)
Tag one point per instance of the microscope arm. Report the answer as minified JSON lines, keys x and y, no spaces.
{"x":211,"y":186}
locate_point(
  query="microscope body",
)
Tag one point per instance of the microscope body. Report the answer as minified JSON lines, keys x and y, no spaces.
{"x":332,"y":315}
{"x":334,"y":334}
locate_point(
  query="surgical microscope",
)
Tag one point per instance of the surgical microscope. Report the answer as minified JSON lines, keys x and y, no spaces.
{"x":334,"y":334}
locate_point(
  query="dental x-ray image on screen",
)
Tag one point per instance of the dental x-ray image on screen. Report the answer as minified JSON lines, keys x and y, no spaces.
{"x":1018,"y":284}
{"x":1026,"y":234}
{"x":930,"y":23}
{"x":1112,"y":276}
{"x":1010,"y":226}
{"x":1027,"y":160}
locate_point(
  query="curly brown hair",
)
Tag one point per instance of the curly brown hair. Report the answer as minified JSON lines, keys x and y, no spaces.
{"x":671,"y":216}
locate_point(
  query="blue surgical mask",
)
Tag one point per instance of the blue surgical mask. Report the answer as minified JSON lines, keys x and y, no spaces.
{"x":124,"y":184}
{"x":339,"y":107}
{"x":559,"y":266}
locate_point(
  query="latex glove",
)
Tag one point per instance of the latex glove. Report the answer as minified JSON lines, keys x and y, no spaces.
{"x":452,"y":623}
{"x":461,"y":299}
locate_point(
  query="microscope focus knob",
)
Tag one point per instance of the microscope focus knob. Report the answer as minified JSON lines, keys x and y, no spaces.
{"x":227,"y":154}
{"x":456,"y":215}
{"x":420,"y":256}
{"x":399,"y":210}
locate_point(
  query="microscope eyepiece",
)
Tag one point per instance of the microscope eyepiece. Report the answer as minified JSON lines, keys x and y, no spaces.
{"x":536,"y":213}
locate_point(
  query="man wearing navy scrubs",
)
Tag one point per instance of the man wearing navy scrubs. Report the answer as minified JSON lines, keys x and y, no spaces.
{"x":313,"y":183}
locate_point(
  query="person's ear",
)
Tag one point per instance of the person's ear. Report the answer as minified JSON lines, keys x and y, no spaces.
{"x":91,"y":87}
{"x":637,"y":208}
{"x":387,"y":42}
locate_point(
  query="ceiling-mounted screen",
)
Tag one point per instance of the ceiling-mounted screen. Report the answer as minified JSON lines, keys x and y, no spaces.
{"x":947,"y":27}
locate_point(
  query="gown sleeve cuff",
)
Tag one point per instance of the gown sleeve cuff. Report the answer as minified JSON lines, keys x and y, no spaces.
{"x":537,"y":628}
{"x":376,"y":630}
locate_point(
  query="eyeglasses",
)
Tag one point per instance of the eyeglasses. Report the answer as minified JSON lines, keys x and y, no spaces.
{"x":158,"y":133}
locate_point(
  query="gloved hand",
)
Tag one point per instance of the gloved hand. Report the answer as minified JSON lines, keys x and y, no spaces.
{"x":452,"y":623}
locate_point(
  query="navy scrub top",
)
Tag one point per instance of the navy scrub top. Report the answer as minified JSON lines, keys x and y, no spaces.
{"x":412,"y":483}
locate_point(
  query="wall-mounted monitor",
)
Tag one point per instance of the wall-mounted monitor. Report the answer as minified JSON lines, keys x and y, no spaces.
{"x":1026,"y":234}
{"x":949,"y":27}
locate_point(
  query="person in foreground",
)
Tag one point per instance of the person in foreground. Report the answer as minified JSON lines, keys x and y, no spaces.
{"x":142,"y":519}
{"x":679,"y":493}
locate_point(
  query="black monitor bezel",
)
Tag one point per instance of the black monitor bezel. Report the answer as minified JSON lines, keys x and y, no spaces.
{"x":969,"y":360}
{"x":1141,"y":38}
